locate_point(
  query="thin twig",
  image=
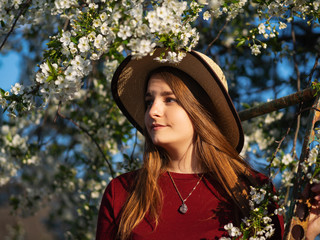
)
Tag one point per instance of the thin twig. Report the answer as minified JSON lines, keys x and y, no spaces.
{"x":309,"y":108}
{"x":293,"y":150}
{"x":26,"y":5}
{"x":91,"y":137}
{"x":313,"y":69}
{"x":278,"y":148}
{"x":286,"y":134}
{"x":217,"y":37}
{"x":66,"y":24}
{"x":134,"y":148}
{"x":293,"y":35}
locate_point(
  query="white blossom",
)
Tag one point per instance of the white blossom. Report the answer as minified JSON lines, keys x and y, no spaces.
{"x":287,"y":177}
{"x":276,"y":162}
{"x":262,"y":28}
{"x":3,"y":102}
{"x":287,"y":159}
{"x":279,"y":211}
{"x":99,"y":41}
{"x":232,"y":231}
{"x":124,"y":32}
{"x":83,"y":44}
{"x":73,"y":48}
{"x":103,"y":16}
{"x":92,"y":36}
{"x":282,"y":25}
{"x":206,"y":15}
{"x":17,"y":89}
{"x":312,"y":159}
{"x":104,"y":28}
{"x":96,"y":23}
{"x":65,"y":39}
{"x":255,"y":49}
{"x":266,"y":220}
{"x":172,"y":57}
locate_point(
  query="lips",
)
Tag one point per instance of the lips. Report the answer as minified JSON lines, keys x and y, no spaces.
{"x":156,"y":126}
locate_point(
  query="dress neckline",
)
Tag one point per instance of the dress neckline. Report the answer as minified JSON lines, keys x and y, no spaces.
{"x":176,"y":175}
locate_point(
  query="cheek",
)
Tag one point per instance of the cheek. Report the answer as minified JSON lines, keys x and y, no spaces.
{"x":183,"y":120}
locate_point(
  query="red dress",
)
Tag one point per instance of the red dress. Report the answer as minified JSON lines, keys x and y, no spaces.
{"x":207,"y":213}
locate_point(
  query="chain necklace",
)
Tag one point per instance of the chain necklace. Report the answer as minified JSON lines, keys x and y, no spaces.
{"x":183,"y":208}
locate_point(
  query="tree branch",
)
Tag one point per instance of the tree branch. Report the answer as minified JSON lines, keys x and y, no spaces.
{"x":277,"y":104}
{"x":216,"y":38}
{"x":23,"y":9}
{"x":91,"y":137}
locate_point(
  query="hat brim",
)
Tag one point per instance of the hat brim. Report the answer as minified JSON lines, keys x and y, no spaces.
{"x":129,"y":82}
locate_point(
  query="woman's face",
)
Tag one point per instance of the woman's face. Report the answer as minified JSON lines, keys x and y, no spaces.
{"x":167,"y":123}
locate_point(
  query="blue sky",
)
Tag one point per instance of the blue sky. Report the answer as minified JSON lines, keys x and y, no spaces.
{"x":9,"y":70}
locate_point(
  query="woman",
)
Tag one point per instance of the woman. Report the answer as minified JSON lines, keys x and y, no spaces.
{"x":192,"y":182}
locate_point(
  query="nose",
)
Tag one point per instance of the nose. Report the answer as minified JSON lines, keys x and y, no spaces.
{"x":155,"y":109}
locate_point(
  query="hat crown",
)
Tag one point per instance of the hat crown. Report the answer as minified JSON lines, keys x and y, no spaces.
{"x":215,"y":68}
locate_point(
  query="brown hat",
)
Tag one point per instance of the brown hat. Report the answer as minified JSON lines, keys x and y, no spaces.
{"x":129,"y":82}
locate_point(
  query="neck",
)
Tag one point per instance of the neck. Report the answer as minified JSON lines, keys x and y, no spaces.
{"x":183,"y":160}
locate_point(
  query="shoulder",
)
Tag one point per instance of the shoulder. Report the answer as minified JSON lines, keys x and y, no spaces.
{"x":125,"y":178}
{"x":112,"y":202}
{"x":117,"y":191}
{"x":122,"y":183}
{"x":260,"y":177}
{"x":255,"y":178}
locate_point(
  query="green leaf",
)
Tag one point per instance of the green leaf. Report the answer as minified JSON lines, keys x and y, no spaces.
{"x":54,"y":44}
{"x":74,"y":40}
{"x":9,"y":137}
{"x":162,"y":39}
{"x":246,"y":235}
{"x":317,"y":170}
{"x":50,"y":66}
{"x":50,"y":78}
{"x":246,"y":105}
{"x":52,"y":69}
{"x":241,"y":42}
{"x":53,"y":52}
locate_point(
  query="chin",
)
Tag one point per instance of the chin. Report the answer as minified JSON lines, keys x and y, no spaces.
{"x":165,"y":145}
{"x":159,"y":142}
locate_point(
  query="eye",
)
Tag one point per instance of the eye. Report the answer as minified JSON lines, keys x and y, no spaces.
{"x":170,"y":100}
{"x":148,"y":102}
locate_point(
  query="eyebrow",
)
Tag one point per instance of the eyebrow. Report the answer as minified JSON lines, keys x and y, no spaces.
{"x":162,"y":94}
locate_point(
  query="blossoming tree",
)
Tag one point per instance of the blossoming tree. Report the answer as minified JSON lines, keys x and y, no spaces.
{"x":64,"y":138}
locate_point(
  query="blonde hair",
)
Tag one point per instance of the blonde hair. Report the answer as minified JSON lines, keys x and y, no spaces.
{"x":215,"y":155}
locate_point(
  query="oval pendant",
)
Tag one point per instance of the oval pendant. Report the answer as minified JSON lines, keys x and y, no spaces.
{"x":183,"y":208}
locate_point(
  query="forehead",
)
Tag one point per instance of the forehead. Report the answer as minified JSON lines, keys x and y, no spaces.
{"x":157,"y":83}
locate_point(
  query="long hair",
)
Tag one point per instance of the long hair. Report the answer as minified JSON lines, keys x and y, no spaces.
{"x":214,"y":153}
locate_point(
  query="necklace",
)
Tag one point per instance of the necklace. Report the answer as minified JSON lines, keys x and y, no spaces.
{"x":183,"y":208}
